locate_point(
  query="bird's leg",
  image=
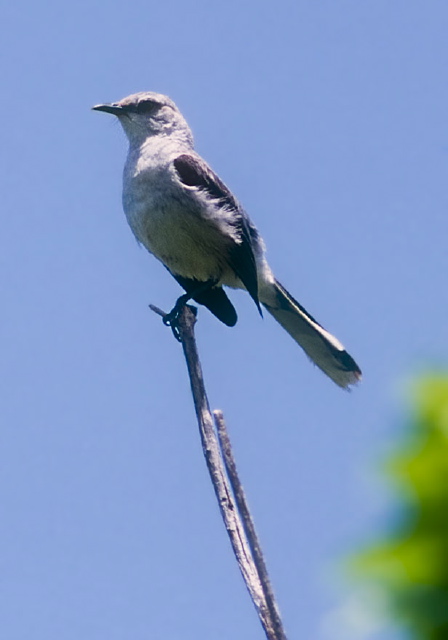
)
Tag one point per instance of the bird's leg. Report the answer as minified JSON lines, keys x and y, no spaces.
{"x":171,"y":319}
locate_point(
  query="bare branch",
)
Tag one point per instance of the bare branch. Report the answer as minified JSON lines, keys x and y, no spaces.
{"x":157,"y":310}
{"x":230,"y":495}
{"x":248,"y":524}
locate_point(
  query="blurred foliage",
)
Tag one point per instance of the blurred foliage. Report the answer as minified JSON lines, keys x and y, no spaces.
{"x":411,"y":565}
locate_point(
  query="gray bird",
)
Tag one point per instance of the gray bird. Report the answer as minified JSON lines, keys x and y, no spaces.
{"x":181,"y":211}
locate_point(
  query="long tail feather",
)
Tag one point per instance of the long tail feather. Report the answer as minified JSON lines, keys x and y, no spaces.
{"x":323,"y":348}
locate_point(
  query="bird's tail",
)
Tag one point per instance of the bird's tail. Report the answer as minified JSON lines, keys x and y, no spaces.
{"x":319,"y":345}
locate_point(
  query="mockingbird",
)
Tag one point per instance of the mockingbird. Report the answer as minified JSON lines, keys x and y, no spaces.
{"x":181,"y":211}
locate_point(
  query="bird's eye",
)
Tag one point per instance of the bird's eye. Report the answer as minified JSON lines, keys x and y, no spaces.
{"x":147,"y":106}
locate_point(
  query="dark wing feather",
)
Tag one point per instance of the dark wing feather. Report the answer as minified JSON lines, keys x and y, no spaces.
{"x":215,"y":299}
{"x":196,"y":173}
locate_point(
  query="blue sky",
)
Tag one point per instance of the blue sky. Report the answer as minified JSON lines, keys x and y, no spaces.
{"x":328,"y":121}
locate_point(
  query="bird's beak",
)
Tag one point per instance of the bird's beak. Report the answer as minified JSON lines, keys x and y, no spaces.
{"x":114,"y":109}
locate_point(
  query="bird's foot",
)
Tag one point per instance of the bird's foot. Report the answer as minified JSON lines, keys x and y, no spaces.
{"x":171,"y":319}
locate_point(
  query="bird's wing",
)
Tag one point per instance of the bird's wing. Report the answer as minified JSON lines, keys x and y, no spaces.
{"x":194,"y":172}
{"x":214,"y":298}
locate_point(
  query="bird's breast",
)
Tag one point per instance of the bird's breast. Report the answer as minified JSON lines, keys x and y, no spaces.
{"x":167,"y":222}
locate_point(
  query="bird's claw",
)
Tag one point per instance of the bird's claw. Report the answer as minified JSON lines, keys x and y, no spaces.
{"x":171,"y":319}
{"x":174,"y":324}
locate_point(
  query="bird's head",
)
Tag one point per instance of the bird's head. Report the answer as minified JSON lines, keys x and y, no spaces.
{"x":148,"y":114}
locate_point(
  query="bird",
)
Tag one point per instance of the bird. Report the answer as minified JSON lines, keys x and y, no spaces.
{"x":183,"y":213}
